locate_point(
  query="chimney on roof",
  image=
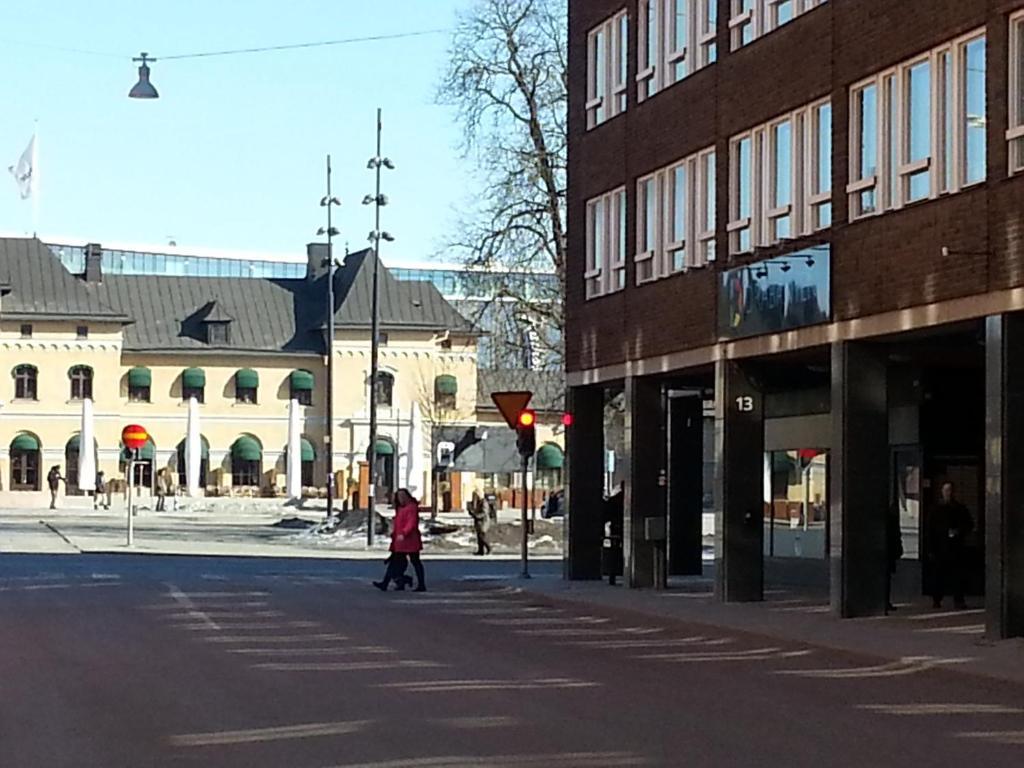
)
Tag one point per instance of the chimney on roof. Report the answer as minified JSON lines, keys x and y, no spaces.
{"x":316,"y":260}
{"x":93,"y":263}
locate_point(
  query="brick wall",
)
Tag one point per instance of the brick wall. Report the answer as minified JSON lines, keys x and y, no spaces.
{"x":879,"y":264}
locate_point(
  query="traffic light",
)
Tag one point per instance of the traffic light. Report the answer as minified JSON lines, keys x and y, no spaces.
{"x":526,"y":434}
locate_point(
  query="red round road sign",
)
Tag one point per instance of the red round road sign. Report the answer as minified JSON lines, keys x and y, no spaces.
{"x":134,"y":437}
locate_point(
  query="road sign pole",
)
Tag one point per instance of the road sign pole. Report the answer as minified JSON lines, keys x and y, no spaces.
{"x":131,"y":487}
{"x":525,"y":522}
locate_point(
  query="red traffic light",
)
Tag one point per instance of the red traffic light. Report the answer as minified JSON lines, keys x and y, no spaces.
{"x":566,"y":419}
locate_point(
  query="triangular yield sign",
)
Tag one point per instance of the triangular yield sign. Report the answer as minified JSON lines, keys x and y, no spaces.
{"x":511,"y":403}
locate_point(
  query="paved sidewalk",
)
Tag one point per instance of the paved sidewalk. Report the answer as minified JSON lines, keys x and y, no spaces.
{"x":957,"y":637}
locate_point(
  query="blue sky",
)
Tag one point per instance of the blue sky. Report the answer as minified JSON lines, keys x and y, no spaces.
{"x":232,"y":154}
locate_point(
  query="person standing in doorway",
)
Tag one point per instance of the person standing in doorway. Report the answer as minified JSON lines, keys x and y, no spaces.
{"x":894,"y":552}
{"x":481,"y":523}
{"x":53,"y":479}
{"x":948,"y":530}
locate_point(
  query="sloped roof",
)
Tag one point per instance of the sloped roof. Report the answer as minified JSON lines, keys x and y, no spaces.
{"x":41,"y":288}
{"x":266,"y":315}
{"x":548,"y":387}
{"x":410,"y":304}
{"x":168,"y":312}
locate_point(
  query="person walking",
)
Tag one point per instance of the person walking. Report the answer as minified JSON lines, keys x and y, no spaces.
{"x":53,"y":479}
{"x":161,"y":490}
{"x":481,"y":523}
{"x":101,"y":496}
{"x":948,"y":529}
{"x":406,"y":544}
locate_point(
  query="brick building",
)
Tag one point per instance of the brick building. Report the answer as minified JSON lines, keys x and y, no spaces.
{"x":808,"y":214}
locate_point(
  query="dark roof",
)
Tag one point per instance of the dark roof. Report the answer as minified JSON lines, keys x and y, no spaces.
{"x":41,"y":288}
{"x":402,"y":303}
{"x":548,"y":387}
{"x":169,"y":312}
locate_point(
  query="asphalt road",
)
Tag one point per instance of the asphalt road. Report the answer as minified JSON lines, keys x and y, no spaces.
{"x":153,"y":661}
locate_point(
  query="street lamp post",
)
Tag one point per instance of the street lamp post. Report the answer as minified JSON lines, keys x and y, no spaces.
{"x":378,"y":200}
{"x":328,"y":202}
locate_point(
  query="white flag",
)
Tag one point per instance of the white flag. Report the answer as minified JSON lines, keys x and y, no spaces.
{"x":22,"y":172}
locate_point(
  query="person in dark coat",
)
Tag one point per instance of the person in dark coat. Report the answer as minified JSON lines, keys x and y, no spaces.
{"x":481,"y":523}
{"x":406,"y":544}
{"x":894,"y":551}
{"x":948,"y":529}
{"x":53,"y":479}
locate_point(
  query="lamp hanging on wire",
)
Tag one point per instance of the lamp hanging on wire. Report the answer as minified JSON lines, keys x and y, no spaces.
{"x":144,"y":88}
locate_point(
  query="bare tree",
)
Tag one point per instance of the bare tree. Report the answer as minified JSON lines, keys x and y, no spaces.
{"x":506,"y":78}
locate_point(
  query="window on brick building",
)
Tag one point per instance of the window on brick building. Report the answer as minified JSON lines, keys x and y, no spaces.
{"x":606,"y":244}
{"x":751,"y":19}
{"x":675,"y":210}
{"x":918,"y":129}
{"x":676,"y":38}
{"x":781,"y":179}
{"x":1015,"y":134}
{"x":607,"y":69}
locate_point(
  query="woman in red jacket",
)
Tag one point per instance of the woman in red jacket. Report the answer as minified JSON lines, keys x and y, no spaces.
{"x":405,"y":543}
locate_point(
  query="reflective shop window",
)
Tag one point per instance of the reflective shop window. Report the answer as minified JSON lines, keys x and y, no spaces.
{"x":796,"y":504}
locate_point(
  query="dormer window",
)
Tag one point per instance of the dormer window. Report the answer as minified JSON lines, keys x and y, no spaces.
{"x":217,"y":333}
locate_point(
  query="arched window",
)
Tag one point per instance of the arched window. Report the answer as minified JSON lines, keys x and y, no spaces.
{"x":385,"y":389}
{"x":308,"y":463}
{"x":247,"y":383}
{"x":301,"y":384}
{"x":81,"y":382}
{"x":446,"y":390}
{"x":246,"y":462}
{"x":25,"y":457}
{"x":25,"y":382}
{"x":140,"y":381}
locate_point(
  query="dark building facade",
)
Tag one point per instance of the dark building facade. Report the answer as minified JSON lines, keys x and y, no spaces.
{"x":810,"y":213}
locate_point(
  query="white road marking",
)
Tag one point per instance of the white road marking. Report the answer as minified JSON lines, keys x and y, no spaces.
{"x":274,"y":638}
{"x":908,"y":665}
{"x":650,"y":643}
{"x":347,"y":666}
{"x":944,"y":615}
{"x":757,"y":654}
{"x":1013,"y":738}
{"x":328,"y":651}
{"x":227,"y":627}
{"x":531,"y":620}
{"x":969,"y":629}
{"x":554,"y":760}
{"x":474,"y":723}
{"x":186,"y":602}
{"x":908,"y":710}
{"x":277,"y":733}
{"x":450,"y":686}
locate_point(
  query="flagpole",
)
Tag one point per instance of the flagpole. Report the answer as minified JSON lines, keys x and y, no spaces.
{"x":35,"y":179}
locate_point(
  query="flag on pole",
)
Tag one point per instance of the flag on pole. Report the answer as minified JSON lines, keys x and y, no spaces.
{"x":23,"y":171}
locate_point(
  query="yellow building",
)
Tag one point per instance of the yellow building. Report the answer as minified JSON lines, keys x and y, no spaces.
{"x":139,"y":346}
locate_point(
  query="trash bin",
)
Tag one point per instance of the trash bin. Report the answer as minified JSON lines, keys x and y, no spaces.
{"x":611,"y":558}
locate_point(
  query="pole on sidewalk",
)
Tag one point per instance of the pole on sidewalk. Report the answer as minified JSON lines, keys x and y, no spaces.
{"x":525,"y":521}
{"x":131,"y":487}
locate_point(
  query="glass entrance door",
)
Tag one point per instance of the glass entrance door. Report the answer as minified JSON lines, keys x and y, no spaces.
{"x":796,"y":504}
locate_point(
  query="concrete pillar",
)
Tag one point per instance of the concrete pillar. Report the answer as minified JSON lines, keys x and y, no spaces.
{"x":584,"y":492}
{"x":645,"y":489}
{"x":1004,"y":481}
{"x":739,"y":485}
{"x":685,"y":483}
{"x":860,"y":480}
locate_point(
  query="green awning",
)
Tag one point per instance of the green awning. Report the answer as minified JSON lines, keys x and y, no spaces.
{"x":146,"y":453}
{"x":24,"y":443}
{"x":550,"y":456}
{"x":204,"y":448}
{"x":140,"y":377}
{"x":384,"y":448}
{"x":193,"y":377}
{"x":246,"y":449}
{"x":446,"y":385}
{"x":302,"y":381}
{"x":247,"y":379}
{"x":308,"y":451}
